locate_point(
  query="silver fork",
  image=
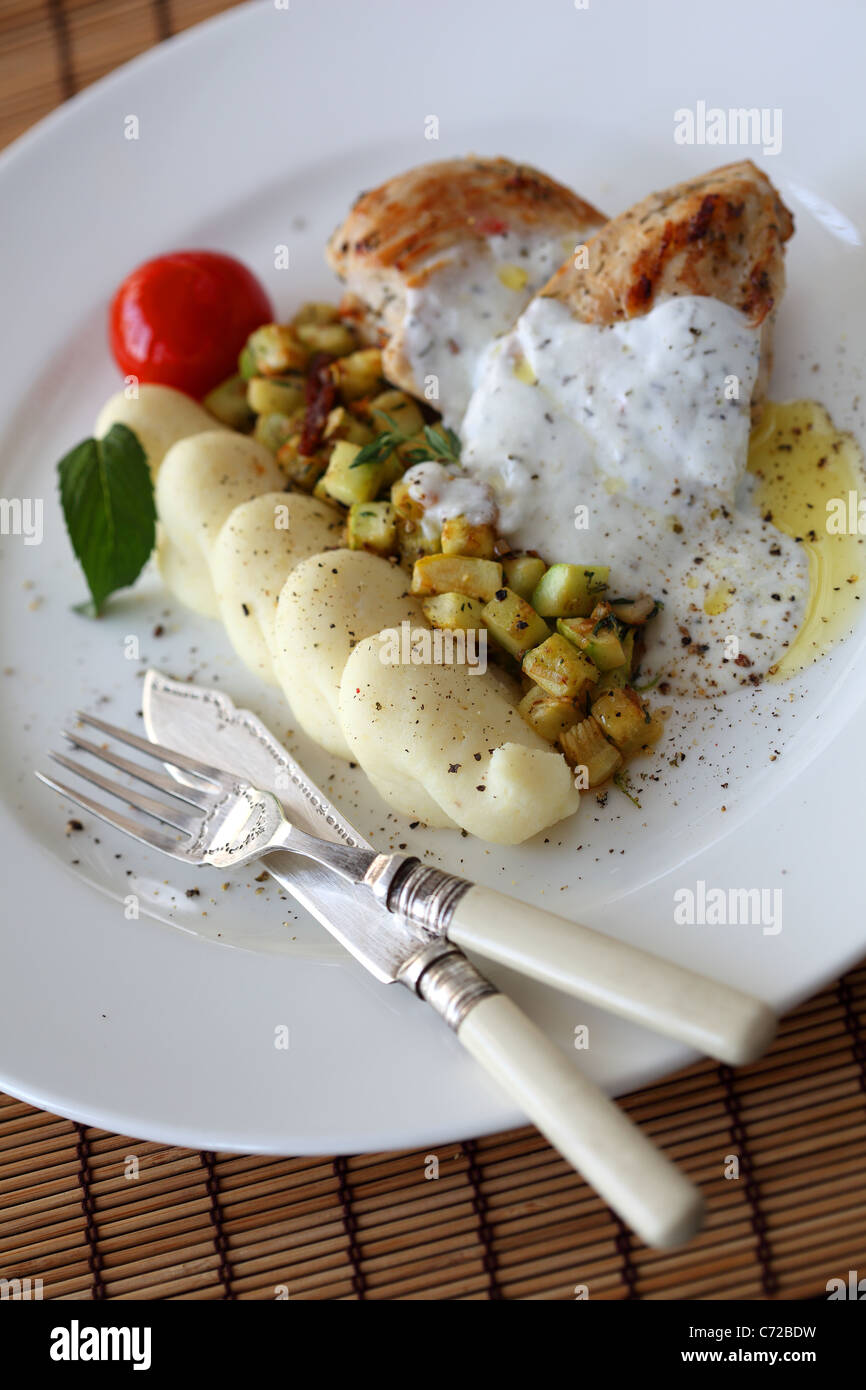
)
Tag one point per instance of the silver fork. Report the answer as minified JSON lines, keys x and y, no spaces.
{"x":220,"y":819}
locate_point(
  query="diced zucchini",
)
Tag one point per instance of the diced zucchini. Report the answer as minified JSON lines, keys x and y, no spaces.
{"x":228,"y":402}
{"x":342,"y":424}
{"x":358,"y":374}
{"x":619,"y":676}
{"x":395,"y":406}
{"x":274,"y":430}
{"x":372,"y":526}
{"x":546,"y":714}
{"x":585,"y":746}
{"x":559,"y":668}
{"x":634,"y":611}
{"x":569,"y":591}
{"x":413,"y":541}
{"x":347,"y":484}
{"x":393,"y":468}
{"x":453,"y":610}
{"x":623,"y":719}
{"x":275,"y":349}
{"x":522,"y":573}
{"x":406,"y":505}
{"x":269,"y":395}
{"x":315,"y":311}
{"x":598,"y":639}
{"x":408,"y":447}
{"x":246,"y":364}
{"x":458,"y":574}
{"x":302,"y":470}
{"x":513,"y":623}
{"x":338,"y":339}
{"x":462,"y":537}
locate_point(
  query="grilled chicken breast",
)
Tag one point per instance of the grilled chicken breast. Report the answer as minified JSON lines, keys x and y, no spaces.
{"x":612,"y":423}
{"x":721,"y":235}
{"x":442,"y":259}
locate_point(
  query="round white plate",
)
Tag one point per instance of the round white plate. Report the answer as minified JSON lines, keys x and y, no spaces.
{"x":255,"y":131}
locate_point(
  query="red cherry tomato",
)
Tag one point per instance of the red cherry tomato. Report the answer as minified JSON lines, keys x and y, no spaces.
{"x":181,"y":319}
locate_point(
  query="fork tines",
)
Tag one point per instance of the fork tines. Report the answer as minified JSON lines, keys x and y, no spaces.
{"x":174,"y":812}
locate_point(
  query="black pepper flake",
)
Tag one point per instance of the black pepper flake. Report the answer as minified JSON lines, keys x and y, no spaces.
{"x":477,"y":757}
{"x":246,"y":611}
{"x":454,"y":767}
{"x":73,"y":825}
{"x":481,"y":787}
{"x":193,"y":892}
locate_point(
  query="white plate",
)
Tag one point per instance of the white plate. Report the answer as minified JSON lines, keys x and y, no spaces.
{"x":258,"y":129}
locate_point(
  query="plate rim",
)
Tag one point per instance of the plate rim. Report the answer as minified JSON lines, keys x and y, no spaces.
{"x":28,"y":146}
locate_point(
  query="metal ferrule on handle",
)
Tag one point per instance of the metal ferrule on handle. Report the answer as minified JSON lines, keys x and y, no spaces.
{"x":712,"y":1017}
{"x":417,"y":892}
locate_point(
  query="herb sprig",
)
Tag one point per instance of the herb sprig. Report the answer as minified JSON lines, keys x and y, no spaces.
{"x":443,"y":445}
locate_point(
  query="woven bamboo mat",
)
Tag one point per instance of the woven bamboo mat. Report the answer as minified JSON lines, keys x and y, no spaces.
{"x":51,"y":50}
{"x":97,"y":1215}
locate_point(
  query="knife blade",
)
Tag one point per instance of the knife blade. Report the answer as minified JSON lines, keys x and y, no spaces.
{"x":208,"y":725}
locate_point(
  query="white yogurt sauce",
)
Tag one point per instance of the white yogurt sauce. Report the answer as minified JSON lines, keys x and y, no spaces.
{"x":477,"y":296}
{"x":444,"y":494}
{"x":633,"y":423}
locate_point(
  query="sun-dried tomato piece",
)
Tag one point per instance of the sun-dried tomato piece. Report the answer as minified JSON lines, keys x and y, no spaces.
{"x":320,"y":395}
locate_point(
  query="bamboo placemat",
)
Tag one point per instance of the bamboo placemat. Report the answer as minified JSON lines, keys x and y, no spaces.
{"x":97,"y":1215}
{"x":51,"y":50}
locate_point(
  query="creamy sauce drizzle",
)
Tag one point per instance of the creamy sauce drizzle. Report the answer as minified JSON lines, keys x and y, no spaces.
{"x":444,"y":494}
{"x":627,"y":446}
{"x":453,"y":318}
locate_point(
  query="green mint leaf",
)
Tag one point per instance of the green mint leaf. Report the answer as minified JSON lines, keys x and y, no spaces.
{"x":107,"y":497}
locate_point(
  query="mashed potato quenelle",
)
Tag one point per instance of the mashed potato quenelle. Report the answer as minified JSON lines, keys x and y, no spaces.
{"x":256,"y":550}
{"x":159,"y":417}
{"x":201,"y":481}
{"x":329,"y":603}
{"x":446,"y":745}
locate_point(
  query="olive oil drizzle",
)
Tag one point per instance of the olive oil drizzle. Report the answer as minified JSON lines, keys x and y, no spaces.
{"x":805,"y":469}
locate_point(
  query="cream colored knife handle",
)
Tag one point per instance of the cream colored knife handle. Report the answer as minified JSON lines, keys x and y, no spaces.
{"x":596,"y":1137}
{"x":717,"y":1020}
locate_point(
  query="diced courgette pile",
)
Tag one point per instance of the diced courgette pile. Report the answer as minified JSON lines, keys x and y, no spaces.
{"x":316,"y":397}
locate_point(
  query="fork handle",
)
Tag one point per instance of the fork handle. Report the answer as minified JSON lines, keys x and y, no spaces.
{"x":717,"y":1020}
{"x":590,"y":1131}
